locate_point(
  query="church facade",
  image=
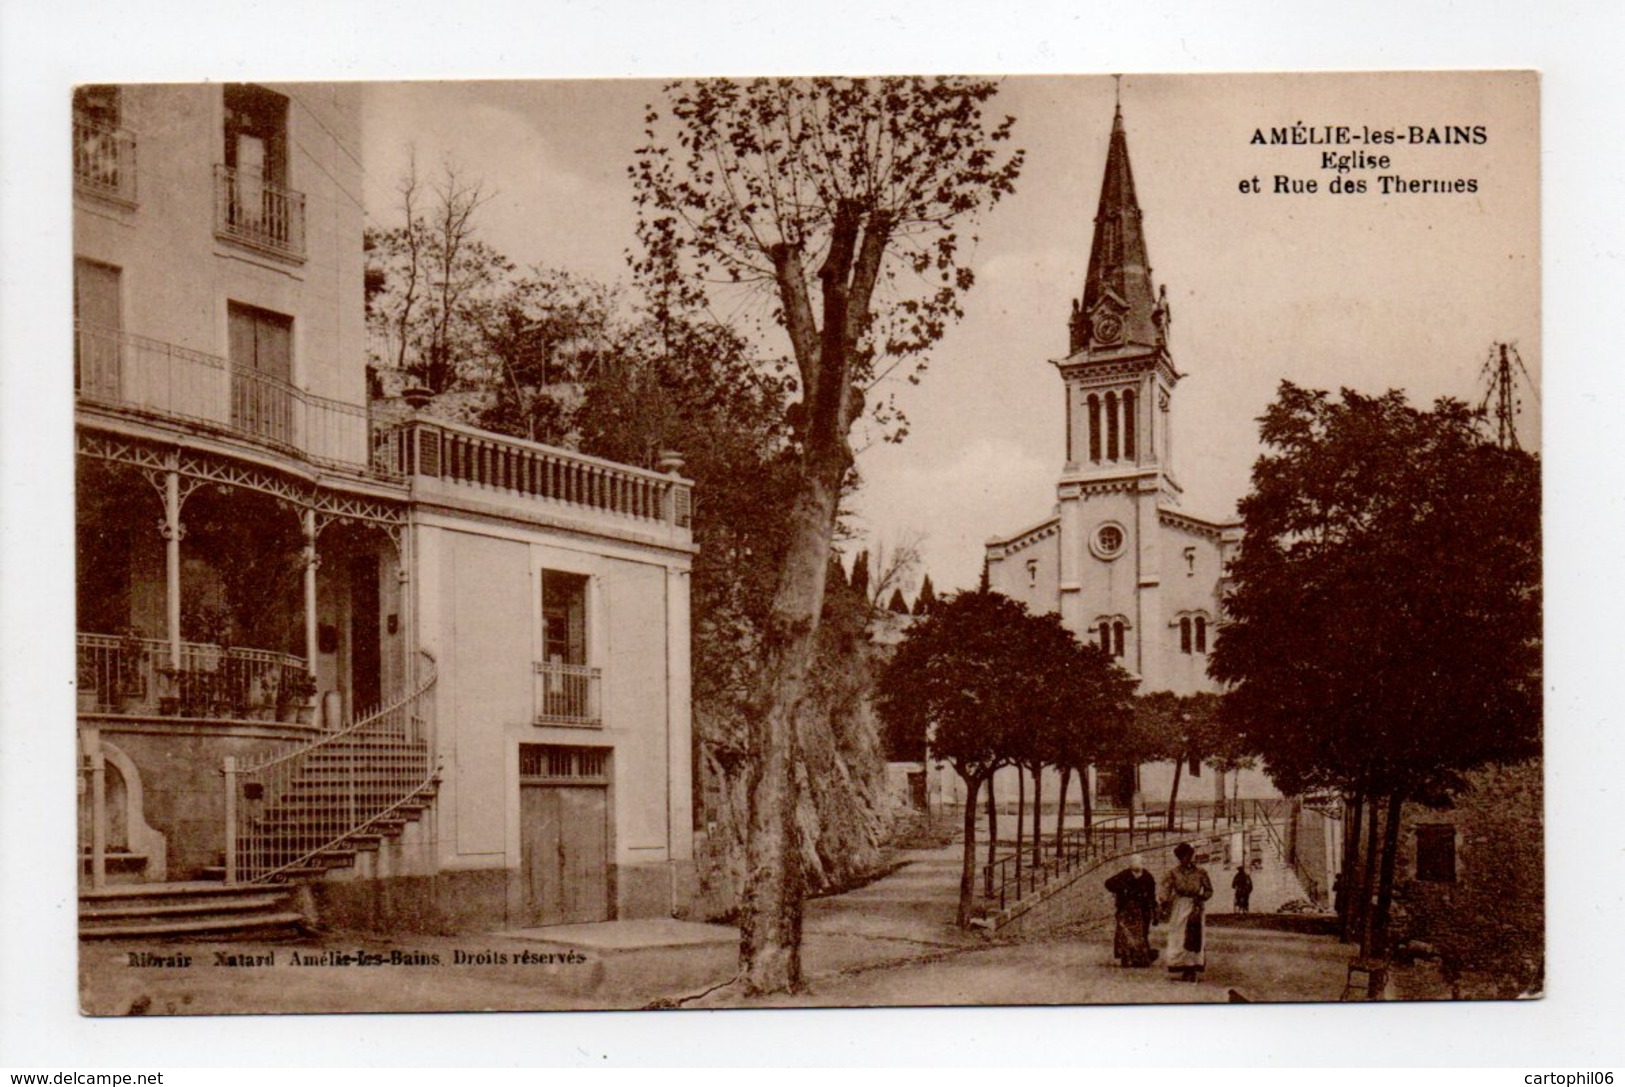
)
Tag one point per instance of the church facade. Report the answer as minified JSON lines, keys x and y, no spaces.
{"x":1118,"y":558}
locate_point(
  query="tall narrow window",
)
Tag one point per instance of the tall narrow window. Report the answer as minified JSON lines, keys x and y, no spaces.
{"x":1094,"y":427}
{"x":97,"y":325}
{"x":253,"y":201}
{"x":1105,"y":637}
{"x":1201,"y":634}
{"x":1069,"y":426}
{"x":261,"y":366}
{"x":1128,"y":425}
{"x":567,"y":687}
{"x":1111,"y":426}
{"x":1117,"y":639}
{"x":103,"y":153}
{"x":564,"y":617}
{"x":1185,"y":635}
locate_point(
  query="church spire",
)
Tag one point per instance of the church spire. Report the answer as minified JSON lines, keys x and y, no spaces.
{"x":1119,"y":309}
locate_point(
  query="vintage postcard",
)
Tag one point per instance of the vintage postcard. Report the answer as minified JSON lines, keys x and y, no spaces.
{"x":570,"y":545}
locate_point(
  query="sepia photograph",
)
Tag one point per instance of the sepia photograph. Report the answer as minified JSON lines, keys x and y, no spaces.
{"x":815,"y":541}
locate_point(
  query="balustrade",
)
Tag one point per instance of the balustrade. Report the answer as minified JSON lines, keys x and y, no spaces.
{"x":477,"y":459}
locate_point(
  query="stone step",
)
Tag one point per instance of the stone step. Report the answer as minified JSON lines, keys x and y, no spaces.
{"x":197,"y":904}
{"x":260,"y":924}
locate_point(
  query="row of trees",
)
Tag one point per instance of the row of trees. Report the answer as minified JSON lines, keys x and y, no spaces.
{"x":981,"y":683}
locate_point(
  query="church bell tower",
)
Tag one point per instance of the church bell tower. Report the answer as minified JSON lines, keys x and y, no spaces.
{"x":1118,"y":378}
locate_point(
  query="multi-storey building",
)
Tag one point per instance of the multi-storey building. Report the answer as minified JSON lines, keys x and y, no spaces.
{"x":440,"y":674}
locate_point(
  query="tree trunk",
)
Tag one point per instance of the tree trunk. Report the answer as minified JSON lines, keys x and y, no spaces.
{"x":1021,"y":816}
{"x":1173,"y":796}
{"x":1368,"y":877}
{"x":1088,"y":805}
{"x":967,"y":870}
{"x":1038,"y":807}
{"x":770,"y":907}
{"x":1385,"y":891}
{"x":1060,"y":813}
{"x":1351,"y":867}
{"x":992,"y":822}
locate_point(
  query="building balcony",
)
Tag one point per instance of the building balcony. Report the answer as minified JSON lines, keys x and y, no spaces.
{"x":252,"y":211}
{"x":134,"y":676}
{"x":456,"y":463}
{"x":104,"y":161}
{"x":135,"y":374}
{"x":568,"y":695}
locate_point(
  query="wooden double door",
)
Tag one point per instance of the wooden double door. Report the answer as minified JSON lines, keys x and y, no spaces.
{"x":564,"y":849}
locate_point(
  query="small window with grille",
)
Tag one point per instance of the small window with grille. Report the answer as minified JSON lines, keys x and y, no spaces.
{"x":554,"y":763}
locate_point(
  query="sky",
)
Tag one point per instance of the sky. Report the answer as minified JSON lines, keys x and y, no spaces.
{"x":1363,"y":290}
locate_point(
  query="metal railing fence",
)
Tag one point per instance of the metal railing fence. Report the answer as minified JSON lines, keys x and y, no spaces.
{"x":135,"y":676}
{"x":122,"y":370}
{"x":1013,"y":878}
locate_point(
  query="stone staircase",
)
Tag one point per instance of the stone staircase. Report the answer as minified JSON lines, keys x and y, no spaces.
{"x":340,"y":807}
{"x":166,"y":910}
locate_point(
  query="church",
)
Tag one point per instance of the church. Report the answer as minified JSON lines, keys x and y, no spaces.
{"x":1117,"y":558}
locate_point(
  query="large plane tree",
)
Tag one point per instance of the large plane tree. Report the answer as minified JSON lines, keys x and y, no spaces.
{"x":842,"y":202}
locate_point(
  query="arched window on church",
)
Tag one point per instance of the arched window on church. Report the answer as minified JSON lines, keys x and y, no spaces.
{"x":1104,"y":636}
{"x":1201,"y":634}
{"x":1094,"y":427}
{"x":1185,"y":634}
{"x":1128,"y":425}
{"x":1117,"y":639}
{"x":1111,"y":426}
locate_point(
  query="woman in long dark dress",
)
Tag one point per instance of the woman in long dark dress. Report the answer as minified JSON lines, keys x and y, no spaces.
{"x":1136,"y":893}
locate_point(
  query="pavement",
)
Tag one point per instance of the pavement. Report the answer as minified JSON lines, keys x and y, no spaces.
{"x":891,"y":942}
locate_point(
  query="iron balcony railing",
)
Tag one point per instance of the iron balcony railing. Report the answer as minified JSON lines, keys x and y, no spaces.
{"x":104,"y":160}
{"x":136,"y":676}
{"x":568,"y":694}
{"x":254,"y":211}
{"x":478,"y":459}
{"x":119,"y":370}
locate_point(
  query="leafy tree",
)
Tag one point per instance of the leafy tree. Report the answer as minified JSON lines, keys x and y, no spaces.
{"x":542,"y":340}
{"x":1186,"y":730}
{"x":1382,"y":631}
{"x":1094,"y":728}
{"x":973,"y":678}
{"x":839,"y":200}
{"x":897,"y":605}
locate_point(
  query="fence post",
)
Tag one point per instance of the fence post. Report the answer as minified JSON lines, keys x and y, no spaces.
{"x":231,"y":819}
{"x":98,"y":808}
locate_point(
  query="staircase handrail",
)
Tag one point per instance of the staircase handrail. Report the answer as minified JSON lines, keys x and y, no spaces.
{"x":257,"y":854}
{"x":360,"y":724}
{"x":360,"y":828}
